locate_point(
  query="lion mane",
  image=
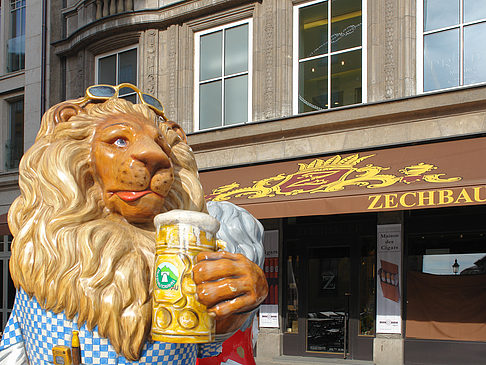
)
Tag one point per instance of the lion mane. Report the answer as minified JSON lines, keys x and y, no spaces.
{"x":69,"y":251}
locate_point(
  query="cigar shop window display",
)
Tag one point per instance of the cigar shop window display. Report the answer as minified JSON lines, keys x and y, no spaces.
{"x":97,"y":282}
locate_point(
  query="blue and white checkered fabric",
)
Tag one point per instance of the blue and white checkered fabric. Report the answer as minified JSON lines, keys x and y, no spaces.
{"x":41,"y":330}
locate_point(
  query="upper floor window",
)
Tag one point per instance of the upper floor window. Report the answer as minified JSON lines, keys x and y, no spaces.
{"x":223,"y":75}
{"x":117,"y":67}
{"x":16,"y":37}
{"x":328,"y":55}
{"x":14,"y":143}
{"x":450,"y":48}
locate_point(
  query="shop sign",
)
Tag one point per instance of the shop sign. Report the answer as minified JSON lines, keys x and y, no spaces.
{"x":268,"y":316}
{"x":331,"y":175}
{"x":428,"y":198}
{"x":388,"y":298}
{"x":412,"y":177}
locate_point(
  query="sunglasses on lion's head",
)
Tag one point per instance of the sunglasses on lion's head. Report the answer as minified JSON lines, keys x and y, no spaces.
{"x":105,"y":92}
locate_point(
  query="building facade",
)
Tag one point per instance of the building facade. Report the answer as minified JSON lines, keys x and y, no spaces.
{"x":354,"y":129}
{"x":23,"y":86}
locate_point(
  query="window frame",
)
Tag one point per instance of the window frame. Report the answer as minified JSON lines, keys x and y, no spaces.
{"x":249,"y":72}
{"x":117,"y":52}
{"x":421,"y":33}
{"x":329,"y":54}
{"x":5,"y":131}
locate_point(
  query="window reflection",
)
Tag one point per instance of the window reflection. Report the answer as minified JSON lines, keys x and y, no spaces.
{"x":440,"y":13}
{"x":338,"y":67}
{"x":441,"y":60}
{"x":367,"y":289}
{"x":452,"y":41}
{"x":14,"y":146}
{"x":437,"y":254}
{"x":16,"y":41}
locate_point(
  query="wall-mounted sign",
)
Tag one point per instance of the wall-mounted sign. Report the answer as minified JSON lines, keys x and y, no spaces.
{"x":388,"y":298}
{"x":269,"y":315}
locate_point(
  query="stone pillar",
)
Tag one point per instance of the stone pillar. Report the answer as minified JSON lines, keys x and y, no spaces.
{"x":149,"y":59}
{"x":272,"y":61}
{"x":268,"y":344}
{"x":168,"y":70}
{"x":391,"y":49}
{"x":388,"y":349}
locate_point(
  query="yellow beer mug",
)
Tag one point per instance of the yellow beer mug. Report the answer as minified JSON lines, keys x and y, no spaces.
{"x":176,"y":314}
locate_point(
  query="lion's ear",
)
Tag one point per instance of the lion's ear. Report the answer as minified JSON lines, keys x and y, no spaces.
{"x":65,"y":111}
{"x":178,"y":129}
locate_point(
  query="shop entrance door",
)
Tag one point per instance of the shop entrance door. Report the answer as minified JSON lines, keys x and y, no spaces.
{"x":330,"y":293}
{"x":328,"y":300}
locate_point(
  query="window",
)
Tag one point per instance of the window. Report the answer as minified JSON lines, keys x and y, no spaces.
{"x":16,"y":41}
{"x":14,"y":145}
{"x":450,"y":50}
{"x":7,"y":287}
{"x":329,"y":55}
{"x":116,"y":68}
{"x":223,"y":75}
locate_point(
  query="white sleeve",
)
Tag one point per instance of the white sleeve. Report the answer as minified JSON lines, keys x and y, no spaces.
{"x":14,"y":355}
{"x":240,"y":230}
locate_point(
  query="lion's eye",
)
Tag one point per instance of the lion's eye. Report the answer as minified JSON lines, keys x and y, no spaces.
{"x":120,"y":142}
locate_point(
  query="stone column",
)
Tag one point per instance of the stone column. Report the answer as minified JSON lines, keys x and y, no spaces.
{"x":391,"y":49}
{"x":149,"y":56}
{"x":272,"y":59}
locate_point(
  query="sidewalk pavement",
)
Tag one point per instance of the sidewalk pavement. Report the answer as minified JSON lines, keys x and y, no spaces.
{"x":297,"y":360}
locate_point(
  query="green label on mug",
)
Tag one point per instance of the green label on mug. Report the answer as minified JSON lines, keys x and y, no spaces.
{"x":167,"y":275}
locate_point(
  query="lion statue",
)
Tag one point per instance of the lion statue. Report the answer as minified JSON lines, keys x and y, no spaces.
{"x":83,"y":247}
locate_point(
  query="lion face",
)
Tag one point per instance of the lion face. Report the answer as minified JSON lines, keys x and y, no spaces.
{"x":131,"y":161}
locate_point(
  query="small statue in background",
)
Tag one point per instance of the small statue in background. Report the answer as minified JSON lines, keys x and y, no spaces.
{"x":82,"y":259}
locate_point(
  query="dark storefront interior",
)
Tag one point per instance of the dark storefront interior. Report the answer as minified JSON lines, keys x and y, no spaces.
{"x":329,"y":281}
{"x":446,"y":286}
{"x":329,"y":313}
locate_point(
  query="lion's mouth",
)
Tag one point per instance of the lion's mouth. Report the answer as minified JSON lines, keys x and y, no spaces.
{"x":130,"y":196}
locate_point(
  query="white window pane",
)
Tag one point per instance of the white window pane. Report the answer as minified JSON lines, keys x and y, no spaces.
{"x":313,"y":30}
{"x":236,"y":50}
{"x":107,"y":70}
{"x":236,"y":100}
{"x":313,"y":85}
{"x":474,"y":10}
{"x":211,"y":55}
{"x":440,"y":13}
{"x":474,"y":54}
{"x":441,"y":60}
{"x":210,"y":105}
{"x":127,"y":67}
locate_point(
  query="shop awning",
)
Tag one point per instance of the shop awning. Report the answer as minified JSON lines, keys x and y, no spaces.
{"x":434,"y":175}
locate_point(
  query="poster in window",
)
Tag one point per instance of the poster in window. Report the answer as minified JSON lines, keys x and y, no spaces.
{"x":388,"y":306}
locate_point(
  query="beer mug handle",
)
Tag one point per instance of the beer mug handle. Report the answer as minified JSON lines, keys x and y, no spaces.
{"x":221,"y":245}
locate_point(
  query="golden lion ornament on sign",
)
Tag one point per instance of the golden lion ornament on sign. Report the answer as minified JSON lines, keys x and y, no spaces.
{"x":83,"y":252}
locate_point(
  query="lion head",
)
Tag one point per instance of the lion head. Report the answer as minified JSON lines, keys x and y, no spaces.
{"x":83,"y":232}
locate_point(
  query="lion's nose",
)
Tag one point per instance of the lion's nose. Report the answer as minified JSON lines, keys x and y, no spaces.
{"x":151,"y":154}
